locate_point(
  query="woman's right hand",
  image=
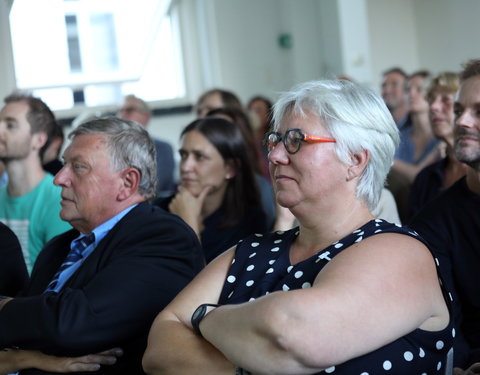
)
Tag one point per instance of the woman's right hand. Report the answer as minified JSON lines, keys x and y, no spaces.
{"x":189,"y":207}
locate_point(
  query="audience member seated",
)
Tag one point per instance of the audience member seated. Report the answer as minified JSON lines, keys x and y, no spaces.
{"x":369,"y":302}
{"x":216,"y":98}
{"x":451,"y":222}
{"x":435,"y":178}
{"x":135,"y":109}
{"x":50,"y":160}
{"x":29,"y":203}
{"x":218,"y":195}
{"x":394,"y":94}
{"x":416,"y":137}
{"x":261,"y":108}
{"x":100,"y":285}
{"x":13,"y":271}
{"x":239,"y":118}
{"x":418,"y":147}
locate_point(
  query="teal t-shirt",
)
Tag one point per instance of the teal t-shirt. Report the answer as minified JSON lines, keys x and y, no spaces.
{"x":33,"y":217}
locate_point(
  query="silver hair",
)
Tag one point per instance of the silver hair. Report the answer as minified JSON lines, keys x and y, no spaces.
{"x":130,"y":146}
{"x":357,"y":118}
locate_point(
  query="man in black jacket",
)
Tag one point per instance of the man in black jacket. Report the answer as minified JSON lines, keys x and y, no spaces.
{"x":133,"y":259}
{"x":451,"y":223}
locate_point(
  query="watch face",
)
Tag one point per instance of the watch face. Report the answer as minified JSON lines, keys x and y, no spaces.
{"x":199,"y":312}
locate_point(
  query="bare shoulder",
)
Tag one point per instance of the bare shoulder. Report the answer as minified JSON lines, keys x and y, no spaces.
{"x":390,"y":247}
{"x":390,"y":257}
{"x":384,"y":271}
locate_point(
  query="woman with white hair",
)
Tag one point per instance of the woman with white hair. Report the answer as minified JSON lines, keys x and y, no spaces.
{"x":343,"y":293}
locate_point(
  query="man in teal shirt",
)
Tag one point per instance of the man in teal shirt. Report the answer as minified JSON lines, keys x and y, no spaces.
{"x":30,"y":203}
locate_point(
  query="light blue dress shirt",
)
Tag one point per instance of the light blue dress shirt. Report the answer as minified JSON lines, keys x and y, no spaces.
{"x":100,"y":232}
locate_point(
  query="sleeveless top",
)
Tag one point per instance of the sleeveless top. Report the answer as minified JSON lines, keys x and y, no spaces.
{"x":262,"y":265}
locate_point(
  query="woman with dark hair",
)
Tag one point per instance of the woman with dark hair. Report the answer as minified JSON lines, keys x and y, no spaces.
{"x":218,"y":195}
{"x":239,"y":117}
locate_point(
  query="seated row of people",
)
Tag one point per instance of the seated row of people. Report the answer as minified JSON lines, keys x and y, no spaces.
{"x":329,"y":172}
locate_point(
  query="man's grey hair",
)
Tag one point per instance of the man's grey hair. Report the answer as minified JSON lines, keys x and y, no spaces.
{"x":130,"y":146}
{"x":357,"y":118}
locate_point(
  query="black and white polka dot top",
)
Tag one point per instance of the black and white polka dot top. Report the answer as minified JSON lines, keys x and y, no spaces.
{"x":262,"y":265}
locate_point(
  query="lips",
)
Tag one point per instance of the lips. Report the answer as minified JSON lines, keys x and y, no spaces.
{"x":186,"y":180}
{"x":282,"y":177}
{"x":65,"y":199}
{"x":463,"y":135}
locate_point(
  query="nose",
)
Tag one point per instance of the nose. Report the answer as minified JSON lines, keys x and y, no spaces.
{"x":435,"y":105}
{"x":61,"y":178}
{"x":187,"y":164}
{"x":278,"y":154}
{"x":466,"y":119}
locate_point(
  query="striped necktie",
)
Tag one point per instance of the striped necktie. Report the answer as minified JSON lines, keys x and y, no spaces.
{"x":75,"y":255}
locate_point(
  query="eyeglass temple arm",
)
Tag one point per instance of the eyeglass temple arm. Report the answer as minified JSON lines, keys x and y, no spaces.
{"x":312,"y":138}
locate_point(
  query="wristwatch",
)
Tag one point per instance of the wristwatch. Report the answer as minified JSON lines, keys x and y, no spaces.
{"x":198,"y":315}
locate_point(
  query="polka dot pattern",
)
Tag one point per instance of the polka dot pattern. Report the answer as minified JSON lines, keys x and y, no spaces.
{"x":262,"y":265}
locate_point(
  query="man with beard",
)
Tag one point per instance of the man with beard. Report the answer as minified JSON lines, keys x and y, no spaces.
{"x":29,"y":203}
{"x":451,"y":223}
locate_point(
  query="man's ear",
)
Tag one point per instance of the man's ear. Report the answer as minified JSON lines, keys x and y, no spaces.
{"x":38,"y":140}
{"x":130,"y":183}
{"x":358,"y":163}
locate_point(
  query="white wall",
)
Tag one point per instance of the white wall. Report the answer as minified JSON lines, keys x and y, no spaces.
{"x":447,"y":33}
{"x":393,"y":36}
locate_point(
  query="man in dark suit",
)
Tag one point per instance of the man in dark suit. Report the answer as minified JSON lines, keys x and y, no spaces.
{"x":133,"y":259}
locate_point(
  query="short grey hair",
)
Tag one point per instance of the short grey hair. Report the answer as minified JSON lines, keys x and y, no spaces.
{"x":130,"y":146}
{"x":357,"y":118}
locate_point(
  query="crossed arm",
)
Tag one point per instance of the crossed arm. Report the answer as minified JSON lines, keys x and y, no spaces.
{"x":297,"y":332}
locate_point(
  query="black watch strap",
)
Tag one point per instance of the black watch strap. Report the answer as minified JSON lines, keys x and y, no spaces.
{"x":198,"y":315}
